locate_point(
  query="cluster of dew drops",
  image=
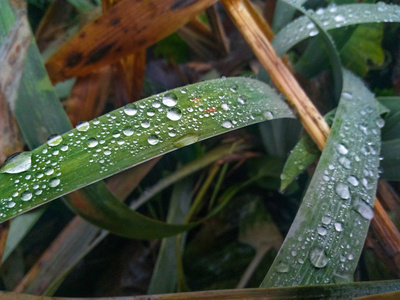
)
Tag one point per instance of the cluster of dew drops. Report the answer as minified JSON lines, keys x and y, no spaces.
{"x":124,"y":133}
{"x":351,"y":192}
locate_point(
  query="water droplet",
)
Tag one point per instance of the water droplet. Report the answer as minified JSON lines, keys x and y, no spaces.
{"x":128,"y":131}
{"x":268,"y":115}
{"x":107,"y":152}
{"x":156,"y":104}
{"x":116,"y":133}
{"x":342,"y":190}
{"x":169,"y":99}
{"x":153,"y":139}
{"x":82,"y":126}
{"x":17,"y":163}
{"x":347,"y":95}
{"x":242,"y":100}
{"x":339,"y":18}
{"x":174,"y":114}
{"x":64,"y":148}
{"x":130,"y":109}
{"x":342,"y":149}
{"x":318,"y":257}
{"x":345,"y":162}
{"x":48,"y":171}
{"x":326,"y":220}
{"x":11,"y":204}
{"x":313,"y":32}
{"x":364,"y":209}
{"x":54,"y":140}
{"x":352,"y":180}
{"x":227,"y":124}
{"x":92,"y":142}
{"x":322,"y":231}
{"x":366,"y":183}
{"x":282,"y":267}
{"x":380,"y":123}
{"x":53,"y":182}
{"x":26,"y":196}
{"x":151,"y":112}
{"x":338,"y":226}
{"x":225,"y":106}
{"x":381,"y":6}
{"x":185,"y":140}
{"x":145,"y":124}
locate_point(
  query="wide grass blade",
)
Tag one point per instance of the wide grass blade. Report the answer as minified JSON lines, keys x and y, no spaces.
{"x":326,"y":238}
{"x":334,"y":17}
{"x":330,"y":291}
{"x":133,"y":134}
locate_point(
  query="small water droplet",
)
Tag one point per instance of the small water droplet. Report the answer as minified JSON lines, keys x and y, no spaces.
{"x":313,"y":32}
{"x":17,"y":163}
{"x":185,"y":140}
{"x":54,"y":140}
{"x":352,"y":180}
{"x":326,"y":220}
{"x":347,"y":95}
{"x":342,"y":149}
{"x":174,"y":114}
{"x":242,"y":100}
{"x":338,"y":226}
{"x":169,"y":99}
{"x":26,"y":196}
{"x":364,"y":209}
{"x":227,"y":124}
{"x":153,"y":139}
{"x":322,"y":231}
{"x":342,"y":190}
{"x":64,"y":148}
{"x":92,"y":142}
{"x":130,"y":109}
{"x":53,"y":182}
{"x":345,"y":162}
{"x":268,"y":115}
{"x":156,"y":104}
{"x":82,"y":126}
{"x":48,"y":171}
{"x":151,"y":112}
{"x":225,"y":106}
{"x":107,"y":152}
{"x":339,"y":18}
{"x":366,"y":183}
{"x":116,"y":133}
{"x":11,"y":204}
{"x":282,"y":267}
{"x":380,"y":123}
{"x":318,"y":257}
{"x":128,"y":131}
{"x":145,"y":124}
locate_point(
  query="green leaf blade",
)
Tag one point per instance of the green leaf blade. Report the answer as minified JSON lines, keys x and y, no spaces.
{"x":133,"y":134}
{"x":328,"y":233}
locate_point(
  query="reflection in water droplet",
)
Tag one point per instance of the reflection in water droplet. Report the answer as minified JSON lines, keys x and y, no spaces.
{"x":26,"y":196}
{"x":282,"y":267}
{"x":17,"y":163}
{"x":130,"y":109}
{"x":153,"y":139}
{"x":128,"y":131}
{"x":185,"y":140}
{"x":174,"y":114}
{"x":169,"y":99}
{"x":318,"y":257}
{"x":227,"y":124}
{"x":92,"y":142}
{"x":342,"y":190}
{"x":82,"y":126}
{"x":54,"y":140}
{"x":53,"y":182}
{"x":364,"y":209}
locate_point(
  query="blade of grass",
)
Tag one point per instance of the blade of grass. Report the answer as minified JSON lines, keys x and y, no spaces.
{"x":337,"y":291}
{"x":331,"y":18}
{"x":326,"y":238}
{"x":104,"y":40}
{"x":119,"y":140}
{"x":164,"y":276}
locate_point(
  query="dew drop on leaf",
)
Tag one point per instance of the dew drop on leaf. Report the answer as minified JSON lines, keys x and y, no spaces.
{"x":169,"y":99}
{"x":342,"y":190}
{"x":282,"y":267}
{"x":92,"y":142}
{"x":153,"y":139}
{"x":342,"y":149}
{"x":364,"y":209}
{"x":268,"y":115}
{"x":82,"y":126}
{"x":174,"y":114}
{"x":353,"y":180}
{"x":318,"y":257}
{"x":53,"y":182}
{"x":130,"y":109}
{"x":54,"y":140}
{"x":17,"y":163}
{"x":227,"y":124}
{"x":128,"y":131}
{"x":26,"y":196}
{"x":338,"y":226}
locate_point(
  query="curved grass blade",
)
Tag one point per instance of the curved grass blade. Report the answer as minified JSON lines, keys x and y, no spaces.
{"x":326,"y":238}
{"x":326,"y":291}
{"x":334,"y":17}
{"x":133,"y":134}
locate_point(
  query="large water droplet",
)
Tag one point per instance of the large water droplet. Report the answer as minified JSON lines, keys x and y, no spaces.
{"x":174,"y":114}
{"x":54,"y":140}
{"x":128,"y":131}
{"x":322,"y":231}
{"x":338,"y":226}
{"x":364,"y":209}
{"x":53,"y":182}
{"x":342,"y":190}
{"x":130,"y":109}
{"x":169,"y":99}
{"x":326,"y":220}
{"x":26,"y":196}
{"x":318,"y":257}
{"x":153,"y":139}
{"x":352,"y":180}
{"x":185,"y":140}
{"x":82,"y":126}
{"x":17,"y":163}
{"x":268,"y":115}
{"x":342,"y":149}
{"x":92,"y":142}
{"x":282,"y":267}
